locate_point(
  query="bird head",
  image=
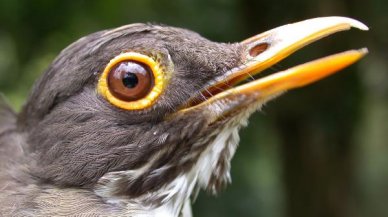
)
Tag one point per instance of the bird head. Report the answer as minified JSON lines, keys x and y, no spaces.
{"x":151,"y":112}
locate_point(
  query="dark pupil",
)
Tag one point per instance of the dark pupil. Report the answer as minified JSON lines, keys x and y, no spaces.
{"x":130,"y":80}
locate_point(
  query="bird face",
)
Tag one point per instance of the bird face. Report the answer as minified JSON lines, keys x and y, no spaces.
{"x":152,"y":112}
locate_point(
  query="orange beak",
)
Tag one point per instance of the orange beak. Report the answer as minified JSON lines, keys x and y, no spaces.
{"x":264,"y":50}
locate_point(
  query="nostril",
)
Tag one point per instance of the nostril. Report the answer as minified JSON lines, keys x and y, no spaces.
{"x":258,"y":49}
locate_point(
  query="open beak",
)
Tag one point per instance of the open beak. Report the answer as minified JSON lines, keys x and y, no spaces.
{"x":264,"y":50}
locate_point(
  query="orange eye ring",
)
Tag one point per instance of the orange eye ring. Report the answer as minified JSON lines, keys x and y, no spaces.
{"x":145,"y":102}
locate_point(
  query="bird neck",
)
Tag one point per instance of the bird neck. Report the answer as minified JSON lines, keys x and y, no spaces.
{"x":173,"y":199}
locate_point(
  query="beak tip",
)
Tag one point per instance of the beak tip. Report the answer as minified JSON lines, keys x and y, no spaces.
{"x":363,"y":51}
{"x":357,"y":24}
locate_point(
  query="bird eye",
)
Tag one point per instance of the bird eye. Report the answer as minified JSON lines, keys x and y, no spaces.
{"x":131,"y":81}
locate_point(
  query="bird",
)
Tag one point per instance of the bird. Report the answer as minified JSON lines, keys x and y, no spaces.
{"x":136,"y":120}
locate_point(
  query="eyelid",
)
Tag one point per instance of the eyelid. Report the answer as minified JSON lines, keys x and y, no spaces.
{"x":145,"y":102}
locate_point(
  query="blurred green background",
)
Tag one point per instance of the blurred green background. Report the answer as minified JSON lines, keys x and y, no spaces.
{"x":317,"y":151}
